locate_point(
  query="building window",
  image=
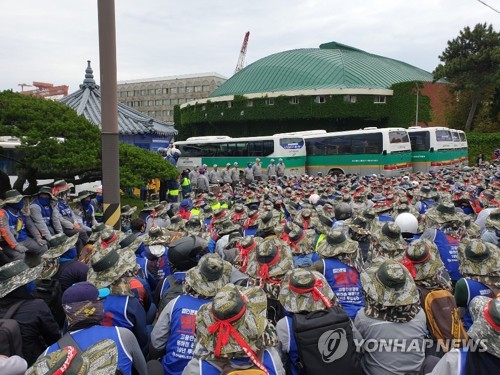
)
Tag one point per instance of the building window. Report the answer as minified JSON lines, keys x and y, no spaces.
{"x":143,"y":92}
{"x":189,"y":89}
{"x":144,"y":103}
{"x":165,"y":102}
{"x":130,"y":93}
{"x":151,"y":91}
{"x":250,"y":103}
{"x":269,"y":101}
{"x":379,"y":99}
{"x":137,"y":104}
{"x":137,"y":92}
{"x":350,"y":98}
{"x":164,"y":91}
{"x":181,"y":90}
{"x":205,"y":88}
{"x":229,"y":104}
{"x":151,"y":103}
{"x":294,"y":100}
{"x":174,"y":101}
{"x":158,"y":102}
{"x":173,"y":90}
{"x":320,"y":99}
{"x":197,"y":89}
{"x":158,"y":91}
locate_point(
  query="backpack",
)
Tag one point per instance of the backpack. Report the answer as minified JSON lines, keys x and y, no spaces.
{"x":174,"y":290}
{"x":443,"y":318}
{"x":11,"y":342}
{"x":228,"y":368}
{"x":325,"y":343}
{"x":50,"y":291}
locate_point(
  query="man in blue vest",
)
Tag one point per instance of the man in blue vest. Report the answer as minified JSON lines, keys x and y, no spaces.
{"x":341,"y":264}
{"x":485,"y":359}
{"x":85,"y":210}
{"x":84,"y":312}
{"x":18,"y":234}
{"x":445,"y":227}
{"x":232,"y":332}
{"x":44,"y":213}
{"x":112,"y":268}
{"x":174,"y":332}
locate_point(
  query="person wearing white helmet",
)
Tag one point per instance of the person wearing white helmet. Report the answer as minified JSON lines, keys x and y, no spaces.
{"x":271,"y":170}
{"x":280,"y":168}
{"x":313,"y":199}
{"x":235,"y":175}
{"x":226,"y":174}
{"x":214,"y":176}
{"x":193,"y":177}
{"x":257,"y":170}
{"x":408,"y":224}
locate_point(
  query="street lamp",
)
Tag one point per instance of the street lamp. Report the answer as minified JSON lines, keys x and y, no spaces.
{"x":416,"y":110}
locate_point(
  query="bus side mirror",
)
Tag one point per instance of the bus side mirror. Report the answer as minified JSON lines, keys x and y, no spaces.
{"x":432,"y":149}
{"x":384,"y":152}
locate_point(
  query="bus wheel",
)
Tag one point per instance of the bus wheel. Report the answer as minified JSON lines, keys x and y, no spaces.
{"x":335,"y":172}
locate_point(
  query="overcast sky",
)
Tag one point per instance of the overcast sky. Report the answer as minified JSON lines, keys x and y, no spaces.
{"x":51,"y":40}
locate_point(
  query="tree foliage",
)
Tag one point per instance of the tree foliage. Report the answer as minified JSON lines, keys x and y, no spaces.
{"x":138,"y":166}
{"x":472,"y":63}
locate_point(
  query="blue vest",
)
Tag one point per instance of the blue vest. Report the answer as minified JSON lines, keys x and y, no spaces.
{"x":385,"y":218}
{"x":207,"y":368}
{"x":14,"y":220}
{"x":165,"y":285}
{"x":144,"y":273}
{"x":85,"y":338}
{"x":64,"y":209}
{"x":448,"y":251}
{"x":88,"y":214}
{"x":425,"y":205}
{"x":346,"y":285}
{"x":250,"y":231}
{"x":163,"y":266}
{"x":115,"y":312}
{"x":293,"y":350}
{"x":475,"y":289}
{"x":45,"y":210}
{"x":180,"y":343}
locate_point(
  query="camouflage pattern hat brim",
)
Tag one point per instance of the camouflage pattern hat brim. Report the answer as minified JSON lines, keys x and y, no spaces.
{"x":271,"y":224}
{"x":481,"y":329}
{"x":304,"y":302}
{"x":388,"y":244}
{"x":205,"y":287}
{"x":493,"y":221}
{"x":56,"y":252}
{"x":126,"y":262}
{"x":94,"y":237}
{"x":99,"y":359}
{"x":176,"y":227}
{"x":489,"y":265}
{"x":232,"y":227}
{"x":164,"y":238}
{"x":356,"y":228}
{"x":405,"y":295}
{"x":327,"y":250}
{"x":133,"y":246}
{"x":129,"y":212}
{"x":440,"y":217}
{"x":277,"y":270}
{"x":50,"y":268}
{"x":430,"y":267}
{"x":251,"y":326}
{"x":20,"y":278}
{"x":98,"y":245}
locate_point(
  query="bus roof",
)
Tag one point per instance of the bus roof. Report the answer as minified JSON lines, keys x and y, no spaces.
{"x":225,"y":139}
{"x":359,"y":131}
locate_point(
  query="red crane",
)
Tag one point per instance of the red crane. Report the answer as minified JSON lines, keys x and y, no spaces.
{"x":241,"y":60}
{"x":44,"y":90}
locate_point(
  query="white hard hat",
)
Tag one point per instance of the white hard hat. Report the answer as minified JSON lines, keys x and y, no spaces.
{"x":272,"y":160}
{"x":257,"y":159}
{"x":215,"y":165}
{"x":314,"y":198}
{"x":228,"y":164}
{"x":407,"y":222}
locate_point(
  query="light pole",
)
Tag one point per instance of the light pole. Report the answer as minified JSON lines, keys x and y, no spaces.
{"x":416,"y":110}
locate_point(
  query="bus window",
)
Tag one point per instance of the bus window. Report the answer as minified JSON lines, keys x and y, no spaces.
{"x":455,"y":136}
{"x":399,"y":136}
{"x":260,"y":148}
{"x":291,"y":143}
{"x":370,"y":143}
{"x":420,"y":141}
{"x":462,"y":137}
{"x":341,"y":145}
{"x":443,"y":136}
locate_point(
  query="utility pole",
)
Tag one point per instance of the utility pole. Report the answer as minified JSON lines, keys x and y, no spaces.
{"x":109,"y":113}
{"x":416,"y":110}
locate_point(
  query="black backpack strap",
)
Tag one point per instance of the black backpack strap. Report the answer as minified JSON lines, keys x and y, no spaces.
{"x":13,"y":309}
{"x":68,"y":340}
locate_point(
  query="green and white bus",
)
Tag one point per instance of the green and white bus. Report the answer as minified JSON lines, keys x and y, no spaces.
{"x":438,"y":147}
{"x":366,"y":151}
{"x":221,"y":150}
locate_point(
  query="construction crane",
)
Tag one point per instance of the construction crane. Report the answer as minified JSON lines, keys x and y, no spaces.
{"x":23,"y":85}
{"x":44,"y":90}
{"x":241,"y":60}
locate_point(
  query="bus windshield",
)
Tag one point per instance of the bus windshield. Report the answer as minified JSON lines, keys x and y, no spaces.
{"x":420,"y":141}
{"x":443,"y":136}
{"x":399,"y":136}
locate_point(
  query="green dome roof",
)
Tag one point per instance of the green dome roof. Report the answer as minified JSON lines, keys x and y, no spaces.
{"x":332,"y":66}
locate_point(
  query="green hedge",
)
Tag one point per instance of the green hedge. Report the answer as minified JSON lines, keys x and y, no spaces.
{"x":484,"y":143}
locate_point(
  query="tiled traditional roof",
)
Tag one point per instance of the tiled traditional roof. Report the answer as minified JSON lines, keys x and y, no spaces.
{"x":332,"y":66}
{"x":87,"y":102}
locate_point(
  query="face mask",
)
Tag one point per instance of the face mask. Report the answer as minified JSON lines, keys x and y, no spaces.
{"x":31,"y":287}
{"x":85,"y":204}
{"x":44,"y":201}
{"x":17,"y":206}
{"x":99,"y":198}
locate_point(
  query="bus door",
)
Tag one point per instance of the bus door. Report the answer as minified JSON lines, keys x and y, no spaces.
{"x":420,"y":146}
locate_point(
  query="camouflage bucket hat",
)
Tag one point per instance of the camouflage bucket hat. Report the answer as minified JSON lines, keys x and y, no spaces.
{"x":228,"y":304}
{"x":16,"y":274}
{"x":336,"y":243}
{"x":389,"y":283}
{"x":267,"y":221}
{"x":96,"y":231}
{"x":157,"y":235}
{"x":59,"y":244}
{"x":485,"y":313}
{"x":193,"y":225}
{"x":209,"y":276}
{"x":99,"y":359}
{"x":443,"y":213}
{"x":130,"y":243}
{"x":109,"y":265}
{"x":325,"y":223}
{"x":358,"y":225}
{"x":428,"y":192}
{"x":493,"y":220}
{"x":389,"y":238}
{"x":220,"y":215}
{"x":228,"y":226}
{"x":127,"y":210}
{"x":12,"y":196}
{"x":108,"y":237}
{"x":479,"y":258}
{"x":305,"y":291}
{"x":176,"y":224}
{"x":424,"y":255}
{"x":271,"y":260}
